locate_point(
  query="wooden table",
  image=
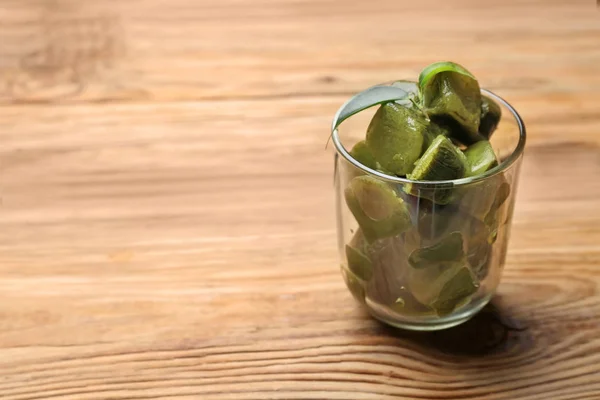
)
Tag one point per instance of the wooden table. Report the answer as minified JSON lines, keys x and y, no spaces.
{"x":167,"y":226}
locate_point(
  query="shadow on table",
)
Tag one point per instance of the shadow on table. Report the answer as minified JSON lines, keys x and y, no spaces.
{"x":492,"y":330}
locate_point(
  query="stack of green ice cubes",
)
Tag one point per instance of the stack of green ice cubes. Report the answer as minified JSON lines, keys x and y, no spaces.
{"x":432,"y":258}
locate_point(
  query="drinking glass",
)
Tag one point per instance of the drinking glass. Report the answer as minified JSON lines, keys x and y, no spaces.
{"x":423,"y":255}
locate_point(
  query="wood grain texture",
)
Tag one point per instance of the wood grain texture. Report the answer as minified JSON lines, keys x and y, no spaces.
{"x":167,"y":223}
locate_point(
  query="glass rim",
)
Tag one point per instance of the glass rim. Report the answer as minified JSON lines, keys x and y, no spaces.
{"x":501,"y":167}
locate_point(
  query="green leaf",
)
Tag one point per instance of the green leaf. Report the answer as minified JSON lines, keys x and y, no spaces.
{"x":409,"y":87}
{"x":366,"y":99}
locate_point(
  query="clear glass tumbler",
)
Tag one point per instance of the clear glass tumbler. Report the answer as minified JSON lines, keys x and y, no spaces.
{"x":447,"y":264}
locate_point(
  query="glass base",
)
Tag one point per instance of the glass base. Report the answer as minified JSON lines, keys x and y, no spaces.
{"x":387,"y":316}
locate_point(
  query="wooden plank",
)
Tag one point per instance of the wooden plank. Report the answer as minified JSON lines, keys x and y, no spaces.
{"x":167,"y":223}
{"x":146,"y":248}
{"x":144,"y":50}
